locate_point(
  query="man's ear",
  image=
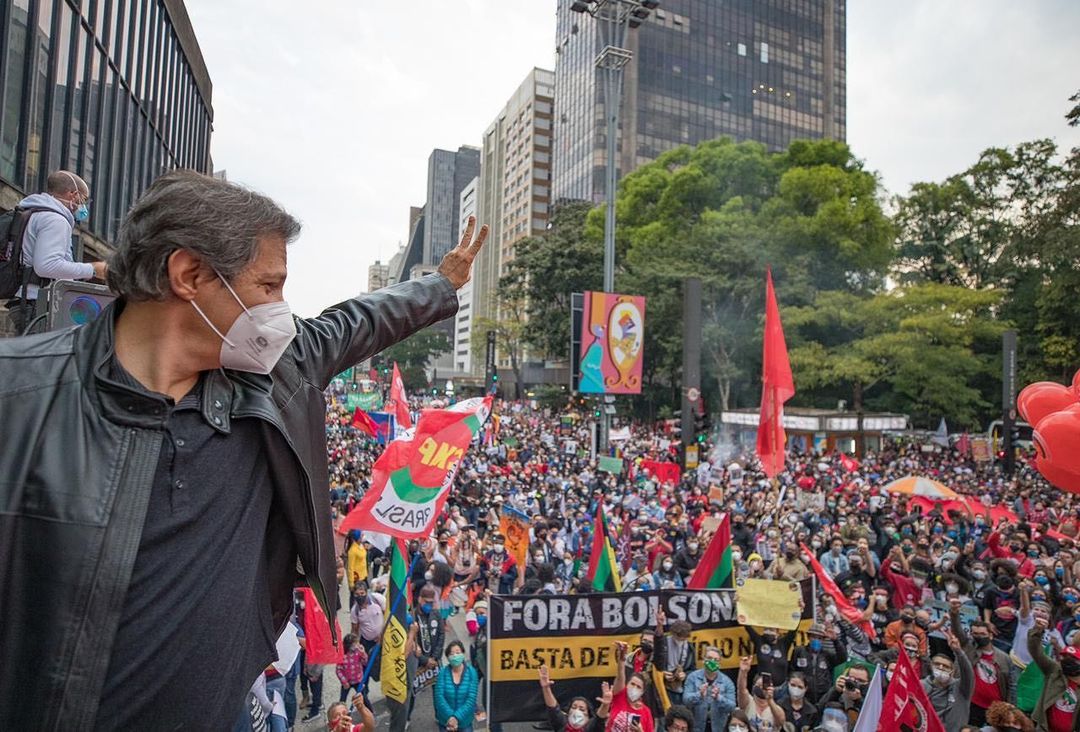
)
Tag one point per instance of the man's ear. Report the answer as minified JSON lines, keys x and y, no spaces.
{"x":187,"y":274}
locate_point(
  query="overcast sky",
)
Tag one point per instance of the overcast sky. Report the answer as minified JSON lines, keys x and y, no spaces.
{"x":333,"y":106}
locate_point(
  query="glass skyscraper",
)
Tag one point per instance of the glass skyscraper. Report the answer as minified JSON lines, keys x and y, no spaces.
{"x":766,"y":70}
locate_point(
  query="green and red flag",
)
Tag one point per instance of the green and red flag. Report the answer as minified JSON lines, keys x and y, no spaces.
{"x":412,"y":478}
{"x":394,"y":672}
{"x":603,"y":571}
{"x":715,"y":568}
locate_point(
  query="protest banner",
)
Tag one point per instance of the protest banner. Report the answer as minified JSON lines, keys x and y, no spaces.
{"x":610,"y":464}
{"x":768,"y":603}
{"x":368,"y":401}
{"x":574,"y":636}
{"x":514,"y":525}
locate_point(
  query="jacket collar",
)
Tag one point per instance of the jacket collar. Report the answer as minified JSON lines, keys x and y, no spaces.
{"x":95,"y":346}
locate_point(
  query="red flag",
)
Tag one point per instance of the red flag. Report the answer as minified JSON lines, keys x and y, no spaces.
{"x":963,"y":445}
{"x":777,"y":387}
{"x":362,"y":420}
{"x":320,"y":645}
{"x":398,"y":402}
{"x":906,"y":705}
{"x":849,"y":463}
{"x":851,"y":613}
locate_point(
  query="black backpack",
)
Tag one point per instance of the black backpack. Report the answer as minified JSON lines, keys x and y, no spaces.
{"x":13,"y":274}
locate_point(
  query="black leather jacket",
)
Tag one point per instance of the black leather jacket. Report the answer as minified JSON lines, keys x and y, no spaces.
{"x":75,"y":475}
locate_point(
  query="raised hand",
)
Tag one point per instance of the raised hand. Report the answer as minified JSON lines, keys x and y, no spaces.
{"x":605,"y":694}
{"x":456,"y":266}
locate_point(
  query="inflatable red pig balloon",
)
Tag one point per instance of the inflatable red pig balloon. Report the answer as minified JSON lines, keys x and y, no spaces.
{"x":1057,"y":441}
{"x":1042,"y":399}
{"x":1062,"y":479}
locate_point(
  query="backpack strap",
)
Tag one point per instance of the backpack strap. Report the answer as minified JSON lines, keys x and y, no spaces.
{"x":18,"y":235}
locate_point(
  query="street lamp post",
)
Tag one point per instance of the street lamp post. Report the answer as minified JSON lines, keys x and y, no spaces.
{"x":615,"y":18}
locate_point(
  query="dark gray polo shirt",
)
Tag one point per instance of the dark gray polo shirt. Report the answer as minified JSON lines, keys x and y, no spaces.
{"x":196,"y":626}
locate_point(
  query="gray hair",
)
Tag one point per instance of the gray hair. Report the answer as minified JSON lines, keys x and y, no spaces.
{"x":218,"y":221}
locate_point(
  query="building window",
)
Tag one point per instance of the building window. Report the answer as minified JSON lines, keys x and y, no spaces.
{"x":764,"y":53}
{"x":742,"y":49}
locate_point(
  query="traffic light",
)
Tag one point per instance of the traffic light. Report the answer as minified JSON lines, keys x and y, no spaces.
{"x":702,"y":426}
{"x":1014,"y":433}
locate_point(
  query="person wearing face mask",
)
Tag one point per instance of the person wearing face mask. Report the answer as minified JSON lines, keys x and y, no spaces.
{"x":579,"y":716}
{"x":798,"y":709}
{"x":196,"y":380}
{"x":905,"y":624}
{"x":789,"y":567}
{"x":678,"y":659}
{"x":456,"y":688}
{"x":666,"y":576}
{"x":1001,"y":603}
{"x":367,"y":620}
{"x":816,"y":660}
{"x":950,"y":685}
{"x":834,"y":560}
{"x":46,"y":242}
{"x":1056,"y":710}
{"x":772,"y":648}
{"x":994,"y":672}
{"x":686,"y":559}
{"x":629,"y":712}
{"x":499,"y":567}
{"x":757,"y":701}
{"x":709,"y":694}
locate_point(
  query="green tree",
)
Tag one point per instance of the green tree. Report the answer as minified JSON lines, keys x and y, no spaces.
{"x":976,"y":229}
{"x":919,"y":343}
{"x":546,"y":269}
{"x":509,"y":327}
{"x":722,"y":211}
{"x":413,"y":355}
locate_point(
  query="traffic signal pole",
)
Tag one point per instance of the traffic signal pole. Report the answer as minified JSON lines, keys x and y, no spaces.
{"x":691,"y":370}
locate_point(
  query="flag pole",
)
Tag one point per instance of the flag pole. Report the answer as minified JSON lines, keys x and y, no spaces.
{"x":375,"y":652}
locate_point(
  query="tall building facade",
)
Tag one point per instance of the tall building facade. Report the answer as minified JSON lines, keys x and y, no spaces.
{"x":463,"y":320}
{"x":114,"y":90}
{"x":515,"y":182}
{"x":448,"y":174}
{"x":378,"y":276}
{"x":767,"y":70}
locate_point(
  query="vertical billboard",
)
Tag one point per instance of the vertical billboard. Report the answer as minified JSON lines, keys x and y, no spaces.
{"x":612,"y":343}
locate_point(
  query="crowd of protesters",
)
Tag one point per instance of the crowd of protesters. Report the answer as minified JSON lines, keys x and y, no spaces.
{"x":986,"y":610}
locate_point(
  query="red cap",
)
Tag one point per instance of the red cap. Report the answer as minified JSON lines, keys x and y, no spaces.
{"x":1071,"y":651}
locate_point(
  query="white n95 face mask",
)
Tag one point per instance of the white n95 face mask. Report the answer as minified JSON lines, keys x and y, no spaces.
{"x":257,"y":337}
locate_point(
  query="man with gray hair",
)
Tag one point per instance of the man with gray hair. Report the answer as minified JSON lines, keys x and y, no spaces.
{"x":164,"y":484}
{"x":47,"y":241}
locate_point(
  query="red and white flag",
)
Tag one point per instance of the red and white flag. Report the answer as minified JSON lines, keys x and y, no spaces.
{"x":398,"y":402}
{"x":906,"y":705}
{"x":412,"y":478}
{"x":777,"y":386}
{"x":851,"y":613}
{"x":849,"y":463}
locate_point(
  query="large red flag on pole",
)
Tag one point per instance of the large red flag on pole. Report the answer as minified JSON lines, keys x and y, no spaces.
{"x":777,"y":387}
{"x":399,"y":401}
{"x":906,"y":704}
